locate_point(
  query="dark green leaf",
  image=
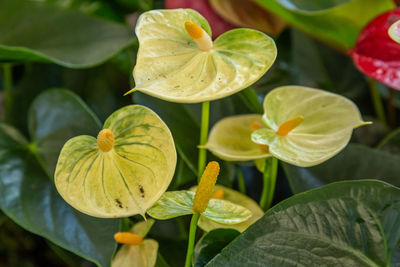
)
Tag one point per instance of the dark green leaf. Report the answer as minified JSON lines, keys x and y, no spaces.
{"x":28,"y":197}
{"x":337,"y":26}
{"x":211,"y":244}
{"x":391,"y":143}
{"x":56,"y":116}
{"x":351,"y":223}
{"x":354,"y":162}
{"x":43,"y":32}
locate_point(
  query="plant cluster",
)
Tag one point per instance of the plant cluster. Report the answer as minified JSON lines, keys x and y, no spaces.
{"x":87,"y":186}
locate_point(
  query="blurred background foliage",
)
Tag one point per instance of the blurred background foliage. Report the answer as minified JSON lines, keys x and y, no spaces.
{"x":312,"y":39}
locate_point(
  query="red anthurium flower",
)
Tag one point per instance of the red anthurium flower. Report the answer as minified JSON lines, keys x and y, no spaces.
{"x":376,"y":54}
{"x":217,"y":23}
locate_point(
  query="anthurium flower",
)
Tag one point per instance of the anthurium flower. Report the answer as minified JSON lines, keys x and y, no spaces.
{"x":177,"y":203}
{"x":177,"y":60}
{"x":230,"y":138}
{"x":124,"y":171}
{"x":218,"y":24}
{"x":300,"y":125}
{"x":222,"y":192}
{"x":136,"y":251}
{"x":376,"y":54}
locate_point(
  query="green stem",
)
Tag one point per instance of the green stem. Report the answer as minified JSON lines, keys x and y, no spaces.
{"x":205,"y":114}
{"x":269,"y":182}
{"x":192,"y":237}
{"x":7,"y":79}
{"x":241,"y":182}
{"x":377,"y":101}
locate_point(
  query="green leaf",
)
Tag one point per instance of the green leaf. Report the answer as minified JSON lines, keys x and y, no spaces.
{"x":211,"y":244}
{"x":178,"y":203}
{"x":337,"y":26}
{"x":230,"y":139}
{"x":56,"y":116}
{"x":354,"y":162}
{"x":353,"y":223}
{"x":126,"y":179}
{"x":28,"y":197}
{"x":43,"y":32}
{"x":236,"y":198}
{"x":391,"y":143}
{"x":328,"y":123}
{"x":182,"y":72}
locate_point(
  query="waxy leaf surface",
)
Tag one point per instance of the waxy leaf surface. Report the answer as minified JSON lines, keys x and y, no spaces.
{"x":236,"y":198}
{"x":336,"y":25}
{"x":353,"y":163}
{"x":126,"y":180}
{"x":376,"y":54}
{"x":27,"y":193}
{"x":230,"y":139}
{"x":177,"y":203}
{"x":170,"y":65}
{"x":211,"y":244}
{"x":353,"y":223}
{"x":328,"y":123}
{"x":44,"y":32}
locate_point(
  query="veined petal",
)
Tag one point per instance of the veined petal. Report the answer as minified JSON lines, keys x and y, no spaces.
{"x":230,"y":139}
{"x":125,"y":180}
{"x":171,"y":66}
{"x":328,"y":123}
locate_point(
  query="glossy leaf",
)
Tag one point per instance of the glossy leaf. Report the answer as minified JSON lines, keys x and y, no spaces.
{"x":181,"y":72}
{"x":328,"y":123}
{"x":348,"y":223}
{"x":376,"y":54}
{"x":29,"y":198}
{"x":218,"y":24}
{"x":126,"y":180}
{"x":64,"y":37}
{"x":211,"y":244}
{"x":236,"y":198}
{"x":337,"y":26}
{"x":354,"y":162}
{"x":177,"y":203}
{"x":50,"y":131}
{"x":246,"y":13}
{"x":230,"y":139}
{"x":391,"y":143}
{"x":143,"y":255}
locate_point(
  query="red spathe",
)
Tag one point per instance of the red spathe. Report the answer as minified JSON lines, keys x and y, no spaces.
{"x":376,"y":54}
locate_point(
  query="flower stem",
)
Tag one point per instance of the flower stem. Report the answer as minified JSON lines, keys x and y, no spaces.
{"x":205,"y":114}
{"x":391,"y":110}
{"x":269,"y":182}
{"x":376,"y":100}
{"x":7,"y":79}
{"x":192,"y":237}
{"x":241,"y":182}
